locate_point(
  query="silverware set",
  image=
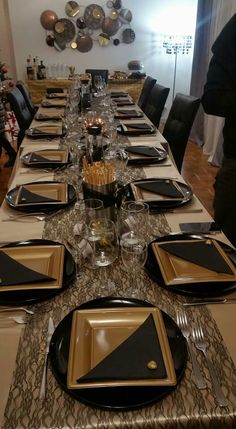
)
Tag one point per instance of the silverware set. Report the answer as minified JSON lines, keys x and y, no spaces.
{"x":195,"y":336}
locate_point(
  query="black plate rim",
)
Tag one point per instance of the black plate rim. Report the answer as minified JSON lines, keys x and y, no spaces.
{"x":46,"y":208}
{"x":80,"y":395}
{"x":199,"y":290}
{"x":161,"y":206}
{"x":40,"y":295}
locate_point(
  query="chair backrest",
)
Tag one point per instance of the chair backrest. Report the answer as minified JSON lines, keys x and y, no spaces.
{"x":98,"y":72}
{"x":146,"y":89}
{"x":178,"y":125}
{"x":20,"y":108}
{"x":156,"y":103}
{"x":26,"y":94}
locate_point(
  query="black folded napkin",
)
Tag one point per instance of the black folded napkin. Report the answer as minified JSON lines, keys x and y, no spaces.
{"x":143,"y":150}
{"x":203,"y":253}
{"x":37,"y":131}
{"x":118,"y":94}
{"x":124,"y":103}
{"x":142,"y":126}
{"x":130,"y":359}
{"x":41,"y":117}
{"x":55,"y":95}
{"x":164,"y":187}
{"x":35,"y":157}
{"x":27,"y":197}
{"x":13,"y":272}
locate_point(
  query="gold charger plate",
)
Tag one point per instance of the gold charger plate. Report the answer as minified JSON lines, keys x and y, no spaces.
{"x":47,"y":260}
{"x":96,"y":333}
{"x":55,"y":191}
{"x":142,"y":194}
{"x":176,"y":271}
{"x":58,"y":155}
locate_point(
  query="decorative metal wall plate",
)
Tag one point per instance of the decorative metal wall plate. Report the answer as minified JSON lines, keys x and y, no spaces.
{"x":72,"y":8}
{"x":94,"y":16}
{"x":125,"y":16}
{"x":48,"y":19}
{"x":64,"y":30}
{"x":110,"y":26}
{"x":128,"y":35}
{"x":84,"y":43}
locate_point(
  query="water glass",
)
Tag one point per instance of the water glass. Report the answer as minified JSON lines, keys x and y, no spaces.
{"x":133,"y":217}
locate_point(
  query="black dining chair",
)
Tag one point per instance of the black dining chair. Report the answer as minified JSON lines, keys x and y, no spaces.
{"x":26,"y":94}
{"x":178,"y":125}
{"x":23,"y":116}
{"x":98,"y":72}
{"x":146,"y":89}
{"x":156,"y":103}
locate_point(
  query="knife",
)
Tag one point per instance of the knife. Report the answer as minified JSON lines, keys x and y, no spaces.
{"x":211,"y":301}
{"x":42,"y":394}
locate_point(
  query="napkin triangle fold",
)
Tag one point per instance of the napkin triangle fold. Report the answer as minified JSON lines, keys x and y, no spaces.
{"x":143,"y":150}
{"x":130,"y":359}
{"x":35,"y":157}
{"x":142,"y":126}
{"x":27,"y":197}
{"x":166,"y":188}
{"x":13,"y":272}
{"x":203,"y":253}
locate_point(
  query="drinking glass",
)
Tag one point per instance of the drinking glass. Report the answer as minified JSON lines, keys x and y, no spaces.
{"x":98,"y":83}
{"x":119,"y":159}
{"x":87,"y":210}
{"x":104,"y":241}
{"x":134,"y":256}
{"x":133,"y":217}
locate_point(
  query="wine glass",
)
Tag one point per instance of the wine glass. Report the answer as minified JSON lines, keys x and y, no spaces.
{"x":104,"y":241}
{"x":134,"y":256}
{"x":133,"y":217}
{"x":119,"y":159}
{"x":87,"y":210}
{"x":98,"y":83}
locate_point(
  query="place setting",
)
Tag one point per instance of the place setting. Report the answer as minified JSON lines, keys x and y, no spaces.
{"x":49,"y":131}
{"x":128,"y":114}
{"x":43,"y":196}
{"x":93,"y":375}
{"x":136,"y":128}
{"x":161,"y":194}
{"x":34,"y":270}
{"x":194,"y":265}
{"x":47,"y":158}
{"x":145,"y":155}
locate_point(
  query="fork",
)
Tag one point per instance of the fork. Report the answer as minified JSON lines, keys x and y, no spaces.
{"x":183,"y":324}
{"x":200,"y":343}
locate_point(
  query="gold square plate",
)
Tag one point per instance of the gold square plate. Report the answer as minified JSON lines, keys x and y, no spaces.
{"x":142,"y":194}
{"x":47,"y":260}
{"x":176,"y":271}
{"x":52,"y":156}
{"x":96,"y":333}
{"x":53,"y":190}
{"x":47,"y":129}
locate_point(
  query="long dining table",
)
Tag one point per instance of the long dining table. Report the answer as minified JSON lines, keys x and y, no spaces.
{"x":23,"y":346}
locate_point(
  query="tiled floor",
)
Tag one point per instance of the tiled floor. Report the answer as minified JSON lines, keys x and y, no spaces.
{"x":197,"y":172}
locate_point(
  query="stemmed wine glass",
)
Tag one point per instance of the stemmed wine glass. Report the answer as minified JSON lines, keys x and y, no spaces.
{"x":134,"y":256}
{"x":104,"y":241}
{"x":133,"y":217}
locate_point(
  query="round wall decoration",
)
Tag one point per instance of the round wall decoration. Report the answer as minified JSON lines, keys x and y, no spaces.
{"x":125,"y":16}
{"x":64,"y":30}
{"x":85,"y":25}
{"x":84,"y":43}
{"x":48,"y":19}
{"x":94,"y":16}
{"x":50,"y":40}
{"x":72,"y":8}
{"x":103,"y":39}
{"x":110,"y":26}
{"x":128,"y":35}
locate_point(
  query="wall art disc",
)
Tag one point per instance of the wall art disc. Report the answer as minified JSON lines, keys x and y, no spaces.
{"x":94,"y":16}
{"x":110,"y":26}
{"x":128,"y":35}
{"x":48,"y":19}
{"x":72,"y":8}
{"x":125,"y":16}
{"x":84,"y":43}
